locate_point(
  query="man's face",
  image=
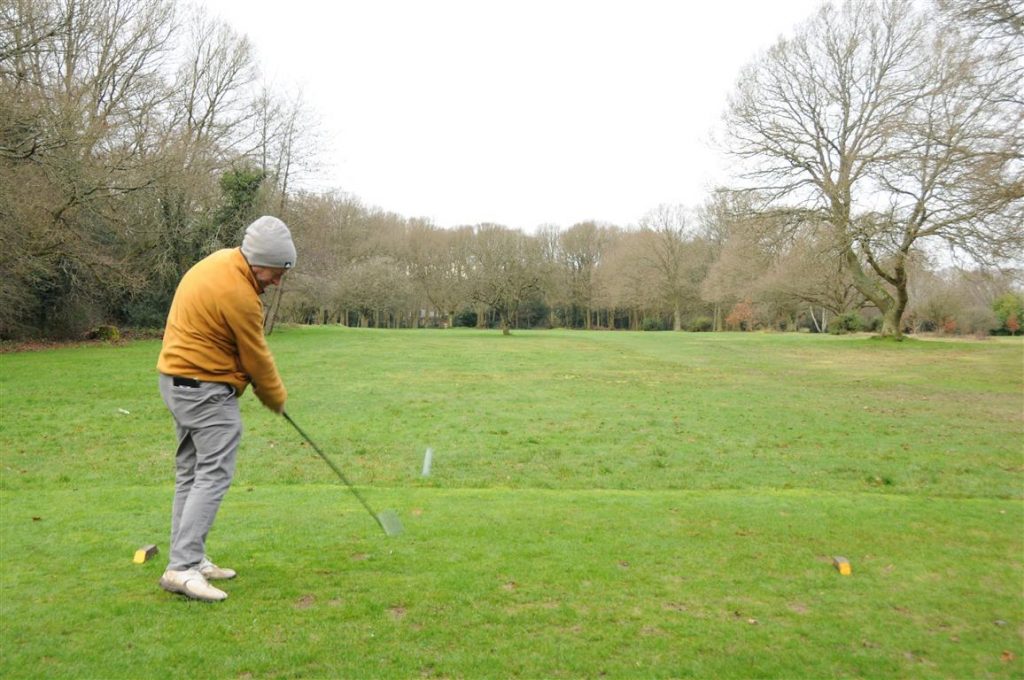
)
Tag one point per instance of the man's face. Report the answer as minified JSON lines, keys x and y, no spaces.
{"x":268,"y":276}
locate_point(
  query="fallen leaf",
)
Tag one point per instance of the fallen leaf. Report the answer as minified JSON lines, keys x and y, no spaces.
{"x":1007,"y":656}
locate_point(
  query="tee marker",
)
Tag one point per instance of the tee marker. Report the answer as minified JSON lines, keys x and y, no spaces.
{"x":843,"y":565}
{"x":145,"y":553}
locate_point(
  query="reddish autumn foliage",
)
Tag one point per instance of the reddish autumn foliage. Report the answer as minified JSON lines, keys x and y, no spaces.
{"x":741,"y":317}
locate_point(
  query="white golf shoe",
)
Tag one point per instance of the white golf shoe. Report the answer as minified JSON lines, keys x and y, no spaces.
{"x":191,"y":583}
{"x":214,"y":573}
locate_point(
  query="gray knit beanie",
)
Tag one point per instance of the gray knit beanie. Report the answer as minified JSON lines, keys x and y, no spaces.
{"x":268,"y":243}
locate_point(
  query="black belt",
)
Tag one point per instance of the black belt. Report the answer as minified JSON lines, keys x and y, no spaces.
{"x":184,"y":382}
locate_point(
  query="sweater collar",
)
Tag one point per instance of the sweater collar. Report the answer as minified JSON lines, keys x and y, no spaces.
{"x":246,"y":269}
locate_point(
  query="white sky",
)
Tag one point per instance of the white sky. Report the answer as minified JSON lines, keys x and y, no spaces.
{"x":518,"y":112}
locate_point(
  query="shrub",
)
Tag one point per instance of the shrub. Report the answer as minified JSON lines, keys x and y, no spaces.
{"x":465,"y":319}
{"x":701,"y":324}
{"x":741,"y":317}
{"x":1009,"y":311}
{"x":845,"y":323}
{"x":105,"y":333}
{"x":652,"y":323}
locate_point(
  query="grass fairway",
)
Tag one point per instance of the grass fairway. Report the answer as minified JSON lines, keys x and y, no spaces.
{"x":601,"y":504}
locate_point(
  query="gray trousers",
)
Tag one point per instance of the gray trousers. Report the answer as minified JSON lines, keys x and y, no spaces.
{"x":209,"y":427}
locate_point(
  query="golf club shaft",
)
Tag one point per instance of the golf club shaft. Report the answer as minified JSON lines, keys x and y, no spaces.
{"x":337,"y":470}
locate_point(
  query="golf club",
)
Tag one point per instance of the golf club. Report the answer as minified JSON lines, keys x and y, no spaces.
{"x":387,"y":520}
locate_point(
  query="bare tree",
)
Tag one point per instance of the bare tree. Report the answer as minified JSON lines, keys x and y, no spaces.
{"x":201,"y":131}
{"x":504,"y":270}
{"x":891,"y":134}
{"x":992,"y":19}
{"x":624,"y":283}
{"x":810,"y":276}
{"x":286,"y":141}
{"x":374,"y":287}
{"x":437,"y":260}
{"x":552,"y":286}
{"x":951,"y":300}
{"x":80,"y":94}
{"x":671,"y":258}
{"x":784,"y":272}
{"x":580,"y":249}
{"x":212,"y":95}
{"x":25,"y":26}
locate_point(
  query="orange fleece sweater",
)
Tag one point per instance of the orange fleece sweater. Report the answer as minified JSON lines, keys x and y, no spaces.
{"x":214,"y":329}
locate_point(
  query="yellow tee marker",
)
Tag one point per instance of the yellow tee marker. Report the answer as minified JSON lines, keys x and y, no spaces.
{"x":144,"y":553}
{"x":843,"y":565}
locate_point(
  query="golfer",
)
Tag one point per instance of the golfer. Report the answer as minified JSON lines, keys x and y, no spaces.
{"x":213,"y":347}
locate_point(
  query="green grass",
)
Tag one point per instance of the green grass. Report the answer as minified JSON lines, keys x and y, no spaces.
{"x":601,"y":504}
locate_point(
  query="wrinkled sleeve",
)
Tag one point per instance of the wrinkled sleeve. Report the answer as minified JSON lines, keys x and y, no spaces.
{"x":246,"y":322}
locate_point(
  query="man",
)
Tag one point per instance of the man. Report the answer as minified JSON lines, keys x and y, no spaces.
{"x":213,"y":348}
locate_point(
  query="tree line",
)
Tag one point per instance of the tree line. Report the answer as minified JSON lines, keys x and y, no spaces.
{"x":878,"y":186}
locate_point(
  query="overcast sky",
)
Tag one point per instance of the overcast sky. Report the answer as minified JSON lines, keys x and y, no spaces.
{"x":516,"y":112}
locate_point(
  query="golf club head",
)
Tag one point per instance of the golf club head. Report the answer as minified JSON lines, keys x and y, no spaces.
{"x":389,"y":522}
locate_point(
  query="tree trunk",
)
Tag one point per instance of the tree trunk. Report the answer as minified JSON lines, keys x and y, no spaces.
{"x":892,"y":316}
{"x":268,"y":321}
{"x":823,"y":325}
{"x":891,"y":308}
